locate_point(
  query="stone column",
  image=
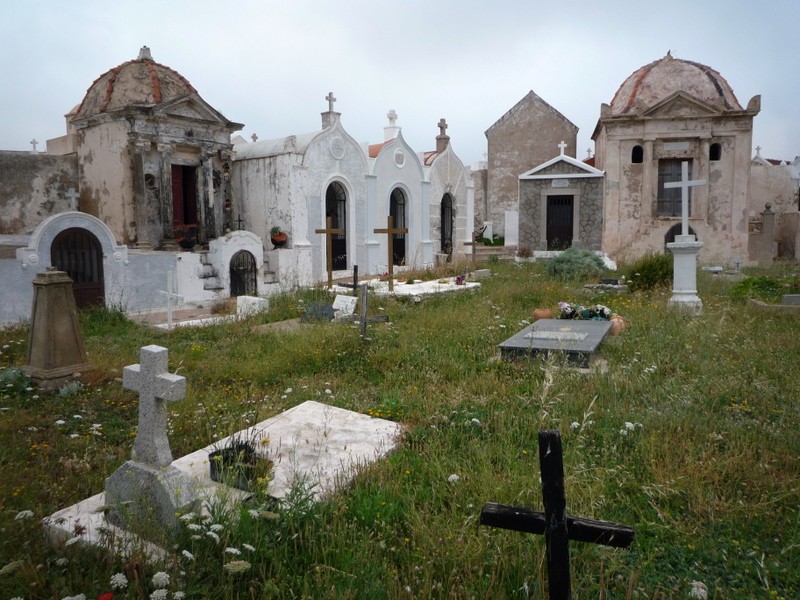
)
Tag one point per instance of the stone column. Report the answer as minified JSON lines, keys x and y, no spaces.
{"x":767,"y":237}
{"x":166,"y":150}
{"x":684,"y":250}
{"x":142,"y":211}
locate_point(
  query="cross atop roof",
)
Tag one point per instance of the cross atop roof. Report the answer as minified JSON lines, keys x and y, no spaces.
{"x":442,"y":126}
{"x":331,"y":99}
{"x":392,"y":116}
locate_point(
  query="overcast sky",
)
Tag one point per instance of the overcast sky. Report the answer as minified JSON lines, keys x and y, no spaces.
{"x":270,"y":64}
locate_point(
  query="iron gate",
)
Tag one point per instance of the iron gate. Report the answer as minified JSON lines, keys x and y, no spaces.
{"x":243,"y":274}
{"x":559,"y":222}
{"x":78,"y":253}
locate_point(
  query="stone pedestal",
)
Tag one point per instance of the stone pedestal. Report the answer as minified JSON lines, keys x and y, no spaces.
{"x":56,"y":351}
{"x":684,"y":250}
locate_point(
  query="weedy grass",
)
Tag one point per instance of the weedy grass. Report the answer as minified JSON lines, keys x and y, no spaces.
{"x":689,"y":435}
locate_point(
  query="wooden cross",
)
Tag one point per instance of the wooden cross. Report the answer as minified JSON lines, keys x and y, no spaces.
{"x":363,"y":318}
{"x":562,"y":146}
{"x":558,"y":528}
{"x":474,"y":244}
{"x":353,"y":285}
{"x":442,"y":126}
{"x":684,"y":184}
{"x":156,"y":387}
{"x":390,"y":231}
{"x":171,"y":295}
{"x":329,"y":232}
{"x":331,"y":99}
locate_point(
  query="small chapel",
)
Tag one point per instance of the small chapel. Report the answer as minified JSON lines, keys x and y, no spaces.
{"x":150,"y":197}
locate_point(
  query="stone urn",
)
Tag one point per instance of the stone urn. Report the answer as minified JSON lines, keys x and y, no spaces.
{"x":542,"y":313}
{"x":618,"y":324}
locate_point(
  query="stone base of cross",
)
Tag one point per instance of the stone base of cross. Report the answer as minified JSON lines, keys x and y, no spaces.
{"x":556,"y":526}
{"x":684,"y":274}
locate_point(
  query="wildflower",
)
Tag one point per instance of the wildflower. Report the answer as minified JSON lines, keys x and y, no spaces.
{"x":213,"y":536}
{"x":23,"y":514}
{"x":629,"y":426}
{"x":287,"y":391}
{"x":161,"y":579}
{"x":574,"y":425}
{"x":699,"y":590}
{"x":178,"y":595}
{"x":60,"y":422}
{"x":623,"y":432}
{"x":253,"y":513}
{"x":234,"y":551}
{"x":216,"y":527}
{"x":194,"y":527}
{"x":73,"y":540}
{"x":328,"y":391}
{"x":187,"y":517}
{"x":187,"y":555}
{"x":476,"y":422}
{"x":119,"y":581}
{"x":236,"y":566}
{"x":159,"y":595}
{"x":11,"y":567}
{"x":61,"y":562}
{"x":453,"y":478}
{"x":248,"y":547}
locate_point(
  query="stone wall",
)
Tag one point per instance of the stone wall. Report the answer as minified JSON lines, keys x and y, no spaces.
{"x":33,"y":187}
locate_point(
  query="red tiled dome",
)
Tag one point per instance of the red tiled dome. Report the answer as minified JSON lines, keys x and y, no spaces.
{"x":662,"y":78}
{"x":140,"y":82}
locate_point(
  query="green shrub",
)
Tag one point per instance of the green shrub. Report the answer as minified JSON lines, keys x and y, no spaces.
{"x":762,"y":288}
{"x":650,"y":271}
{"x":575,"y":264}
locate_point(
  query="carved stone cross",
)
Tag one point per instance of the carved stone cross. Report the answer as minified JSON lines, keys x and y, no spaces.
{"x":156,"y":387}
{"x":685,"y":184}
{"x":72,"y":199}
{"x":562,"y":146}
{"x":390,"y":231}
{"x":442,"y":126}
{"x":329,"y":232}
{"x":33,"y":143}
{"x":331,"y":99}
{"x":392,"y":116}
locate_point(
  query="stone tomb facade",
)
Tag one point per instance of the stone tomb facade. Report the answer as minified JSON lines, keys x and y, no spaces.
{"x":577,"y":339}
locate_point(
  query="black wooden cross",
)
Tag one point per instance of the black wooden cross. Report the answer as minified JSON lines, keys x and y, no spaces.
{"x":329,"y":232}
{"x":353,"y":285}
{"x":239,"y":222}
{"x":363,"y":315}
{"x":558,"y":528}
{"x":390,"y":231}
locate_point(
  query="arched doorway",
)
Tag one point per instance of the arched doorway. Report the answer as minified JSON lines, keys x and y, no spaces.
{"x":336,"y":207}
{"x":672,"y":232}
{"x":78,"y":252}
{"x":447,"y":224}
{"x":397,"y":210}
{"x":243,"y":274}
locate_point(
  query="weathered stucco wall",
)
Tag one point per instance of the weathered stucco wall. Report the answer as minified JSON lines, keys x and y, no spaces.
{"x":448,"y":176}
{"x":33,"y":187}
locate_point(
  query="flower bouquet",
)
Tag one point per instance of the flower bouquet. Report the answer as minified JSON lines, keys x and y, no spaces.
{"x":598,"y":312}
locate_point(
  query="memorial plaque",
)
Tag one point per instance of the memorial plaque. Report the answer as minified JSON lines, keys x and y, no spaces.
{"x":577,"y":339}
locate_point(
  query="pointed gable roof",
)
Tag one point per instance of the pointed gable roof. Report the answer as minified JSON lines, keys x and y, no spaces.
{"x":562,"y":167}
{"x":530,"y":99}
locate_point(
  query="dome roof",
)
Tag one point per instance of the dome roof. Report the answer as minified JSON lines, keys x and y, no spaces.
{"x":660,"y":79}
{"x":140,"y":82}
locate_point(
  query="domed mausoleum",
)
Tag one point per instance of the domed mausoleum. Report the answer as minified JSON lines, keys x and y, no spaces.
{"x":152,"y":155}
{"x":668,"y":112}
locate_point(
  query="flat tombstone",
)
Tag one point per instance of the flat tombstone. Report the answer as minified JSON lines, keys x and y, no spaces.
{"x":791,"y":299}
{"x":247,"y":306}
{"x":577,"y":339}
{"x":318,"y":311}
{"x":344,"y":307}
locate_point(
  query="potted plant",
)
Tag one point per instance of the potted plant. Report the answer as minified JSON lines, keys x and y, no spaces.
{"x":277,"y":236}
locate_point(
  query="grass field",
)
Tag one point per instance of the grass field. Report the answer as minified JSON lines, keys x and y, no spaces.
{"x":690,"y":435}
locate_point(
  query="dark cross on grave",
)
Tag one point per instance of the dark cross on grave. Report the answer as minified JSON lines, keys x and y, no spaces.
{"x":390,"y":231}
{"x":239,"y":222}
{"x":331,"y":99}
{"x":353,"y":285}
{"x":363,"y":317}
{"x":156,"y":387}
{"x":558,"y":528}
{"x":329,"y":232}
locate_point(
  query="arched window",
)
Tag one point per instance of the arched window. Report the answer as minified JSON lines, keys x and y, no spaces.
{"x":715,"y":151}
{"x":673,"y":231}
{"x":336,"y":207}
{"x":397,"y":210}
{"x":447,"y":224}
{"x":637,"y":155}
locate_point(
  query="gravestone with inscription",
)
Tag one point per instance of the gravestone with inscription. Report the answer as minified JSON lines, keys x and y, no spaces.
{"x":344,"y":307}
{"x":147,"y":492}
{"x":577,"y":339}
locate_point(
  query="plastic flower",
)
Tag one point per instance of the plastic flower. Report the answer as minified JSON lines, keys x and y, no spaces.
{"x":106,"y":596}
{"x":160,"y":580}
{"x":119,"y":581}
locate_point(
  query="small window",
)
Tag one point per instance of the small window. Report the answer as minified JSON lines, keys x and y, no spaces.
{"x":715,"y":152}
{"x":637,"y":155}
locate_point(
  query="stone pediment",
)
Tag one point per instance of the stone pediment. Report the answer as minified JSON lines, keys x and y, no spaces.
{"x":191,"y":107}
{"x":562,"y":166}
{"x":681,"y":104}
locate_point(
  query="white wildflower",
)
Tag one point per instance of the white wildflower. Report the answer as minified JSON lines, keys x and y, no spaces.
{"x":73,"y":540}
{"x":287,"y":391}
{"x":699,"y":590}
{"x":23,"y":514}
{"x":160,"y":580}
{"x":196,"y":538}
{"x":476,"y":422}
{"x":213,"y":536}
{"x":178,"y":595}
{"x":248,"y":547}
{"x":60,"y":422}
{"x":236,"y":566}
{"x":629,"y":426}
{"x":194,"y":527}
{"x":61,"y":562}
{"x":253,"y":513}
{"x":575,"y":425}
{"x":187,"y":517}
{"x":328,"y":391}
{"x":119,"y":581}
{"x":453,"y":478}
{"x":217,"y":527}
{"x":187,"y":555}
{"x":623,"y":432}
{"x":234,"y":551}
{"x":159,"y":595}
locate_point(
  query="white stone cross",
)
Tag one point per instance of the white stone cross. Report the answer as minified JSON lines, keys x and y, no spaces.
{"x":442,"y":126}
{"x":562,"y":146}
{"x":171,"y":295}
{"x":392,"y":116}
{"x":331,"y":99}
{"x":156,"y":387}
{"x":254,"y":137}
{"x":72,"y":199}
{"x":33,"y":143}
{"x":685,"y":184}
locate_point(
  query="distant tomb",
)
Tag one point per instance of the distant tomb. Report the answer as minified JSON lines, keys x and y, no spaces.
{"x":577,"y":339}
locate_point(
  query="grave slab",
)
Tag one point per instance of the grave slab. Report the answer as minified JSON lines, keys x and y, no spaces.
{"x":577,"y":339}
{"x":312,"y":444}
{"x":344,"y":307}
{"x":247,"y":306}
